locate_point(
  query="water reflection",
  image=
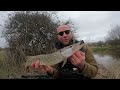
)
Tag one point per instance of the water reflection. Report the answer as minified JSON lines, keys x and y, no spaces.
{"x":111,"y":62}
{"x":104,"y":59}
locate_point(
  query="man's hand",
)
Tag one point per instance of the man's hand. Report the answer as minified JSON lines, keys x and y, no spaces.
{"x":47,"y":69}
{"x":78,"y":59}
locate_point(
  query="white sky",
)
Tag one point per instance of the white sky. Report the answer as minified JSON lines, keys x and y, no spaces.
{"x":92,"y":25}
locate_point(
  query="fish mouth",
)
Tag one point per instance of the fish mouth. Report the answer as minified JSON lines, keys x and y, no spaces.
{"x":70,"y":50}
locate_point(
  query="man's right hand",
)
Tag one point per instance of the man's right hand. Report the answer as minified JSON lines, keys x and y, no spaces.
{"x":47,"y":69}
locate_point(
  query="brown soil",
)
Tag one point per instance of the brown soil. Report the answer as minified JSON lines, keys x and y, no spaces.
{"x":103,"y":73}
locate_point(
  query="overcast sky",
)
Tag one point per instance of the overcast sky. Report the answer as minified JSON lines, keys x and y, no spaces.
{"x":92,"y":26}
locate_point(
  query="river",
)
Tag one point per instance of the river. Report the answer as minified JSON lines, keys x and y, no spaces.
{"x":110,"y":62}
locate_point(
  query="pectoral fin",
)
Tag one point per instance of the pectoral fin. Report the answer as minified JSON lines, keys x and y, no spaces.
{"x":64,"y":62}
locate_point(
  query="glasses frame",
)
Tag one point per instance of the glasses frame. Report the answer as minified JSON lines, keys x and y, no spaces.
{"x":62,"y":33}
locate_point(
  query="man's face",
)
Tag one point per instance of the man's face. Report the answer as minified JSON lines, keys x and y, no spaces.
{"x":64,"y":34}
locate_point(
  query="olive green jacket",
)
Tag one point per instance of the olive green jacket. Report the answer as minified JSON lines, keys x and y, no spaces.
{"x":90,"y":68}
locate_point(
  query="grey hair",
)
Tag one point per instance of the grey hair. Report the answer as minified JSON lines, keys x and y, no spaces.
{"x":73,"y":37}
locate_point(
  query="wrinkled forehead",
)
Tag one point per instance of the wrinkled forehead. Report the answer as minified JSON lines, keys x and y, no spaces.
{"x":63,"y":28}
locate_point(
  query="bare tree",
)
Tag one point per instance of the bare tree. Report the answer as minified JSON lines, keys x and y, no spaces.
{"x":113,"y":37}
{"x":30,"y":33}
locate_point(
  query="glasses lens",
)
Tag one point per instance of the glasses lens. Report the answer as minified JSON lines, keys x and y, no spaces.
{"x":67,"y":31}
{"x":60,"y":33}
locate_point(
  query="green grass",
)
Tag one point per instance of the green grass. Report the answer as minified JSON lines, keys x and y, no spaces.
{"x":98,"y":49}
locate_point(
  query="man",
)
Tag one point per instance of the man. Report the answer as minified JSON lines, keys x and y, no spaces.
{"x":81,"y":64}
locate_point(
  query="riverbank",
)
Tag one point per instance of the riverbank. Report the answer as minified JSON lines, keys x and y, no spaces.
{"x":104,"y":49}
{"x":103,"y":73}
{"x":109,"y":64}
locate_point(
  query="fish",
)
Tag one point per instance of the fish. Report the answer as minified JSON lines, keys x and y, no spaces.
{"x":55,"y":57}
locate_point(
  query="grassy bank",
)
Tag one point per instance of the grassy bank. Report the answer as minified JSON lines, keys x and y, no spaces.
{"x":3,"y":66}
{"x":114,"y":69}
{"x":98,"y":49}
{"x":6,"y":70}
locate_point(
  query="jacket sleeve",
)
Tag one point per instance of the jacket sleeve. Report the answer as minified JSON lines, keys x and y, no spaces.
{"x":91,"y":67}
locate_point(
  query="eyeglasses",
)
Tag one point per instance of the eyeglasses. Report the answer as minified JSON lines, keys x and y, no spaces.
{"x":66,"y":32}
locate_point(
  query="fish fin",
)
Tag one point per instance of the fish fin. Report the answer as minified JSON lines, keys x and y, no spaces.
{"x":64,"y":62}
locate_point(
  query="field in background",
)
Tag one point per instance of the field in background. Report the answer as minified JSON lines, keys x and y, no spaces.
{"x":99,"y":49}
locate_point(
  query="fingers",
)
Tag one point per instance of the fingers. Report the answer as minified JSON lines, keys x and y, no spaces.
{"x":42,"y":67}
{"x":72,"y":60}
{"x":82,"y":53}
{"x":47,"y":69}
{"x":50,"y":70}
{"x":37,"y":64}
{"x":33,"y":65}
{"x":75,"y":58}
{"x":79,"y":54}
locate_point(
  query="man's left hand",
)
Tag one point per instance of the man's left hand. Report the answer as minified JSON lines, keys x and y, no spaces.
{"x":78,"y":59}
